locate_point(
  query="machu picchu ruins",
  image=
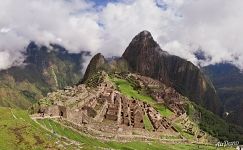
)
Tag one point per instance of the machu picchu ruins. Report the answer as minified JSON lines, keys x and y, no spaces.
{"x":103,"y":111}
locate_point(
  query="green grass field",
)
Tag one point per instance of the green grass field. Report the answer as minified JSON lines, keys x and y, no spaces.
{"x":127,"y":89}
{"x":18,"y":131}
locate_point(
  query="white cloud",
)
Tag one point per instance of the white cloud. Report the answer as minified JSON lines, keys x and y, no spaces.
{"x":72,"y":24}
{"x":214,"y":26}
{"x":180,"y":27}
{"x":5,"y":30}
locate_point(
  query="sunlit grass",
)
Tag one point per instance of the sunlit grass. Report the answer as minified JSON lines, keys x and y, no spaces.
{"x":126,"y":88}
{"x":19,"y":131}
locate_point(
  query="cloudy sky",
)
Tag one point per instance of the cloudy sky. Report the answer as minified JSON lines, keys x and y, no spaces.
{"x":181,"y":27}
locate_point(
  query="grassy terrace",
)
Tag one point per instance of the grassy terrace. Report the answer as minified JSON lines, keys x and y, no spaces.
{"x":91,"y":143}
{"x":127,"y":89}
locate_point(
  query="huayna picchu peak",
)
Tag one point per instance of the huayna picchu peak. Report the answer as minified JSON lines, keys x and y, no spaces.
{"x":143,"y":43}
{"x":142,"y":37}
{"x":145,"y":56}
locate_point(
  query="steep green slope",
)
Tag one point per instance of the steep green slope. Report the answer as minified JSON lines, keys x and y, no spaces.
{"x":214,"y":125}
{"x":45,"y":70}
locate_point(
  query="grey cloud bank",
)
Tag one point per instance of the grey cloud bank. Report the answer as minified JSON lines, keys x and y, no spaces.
{"x":181,"y":27}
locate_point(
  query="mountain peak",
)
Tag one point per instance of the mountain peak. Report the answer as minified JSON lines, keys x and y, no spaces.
{"x":143,"y":43}
{"x":95,"y":63}
{"x":142,"y":47}
{"x":143,"y":36}
{"x":145,"y":33}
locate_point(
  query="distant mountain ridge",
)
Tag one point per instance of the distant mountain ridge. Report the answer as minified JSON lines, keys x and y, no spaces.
{"x":45,"y":70}
{"x":228,"y":80}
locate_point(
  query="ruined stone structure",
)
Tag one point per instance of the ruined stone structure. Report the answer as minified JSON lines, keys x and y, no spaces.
{"x":124,"y":111}
{"x":56,"y":110}
{"x":159,"y":123}
{"x":147,"y":82}
{"x":84,"y":105}
{"x":163,"y":94}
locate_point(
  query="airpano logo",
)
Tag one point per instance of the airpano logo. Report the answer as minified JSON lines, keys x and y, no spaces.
{"x":228,"y":144}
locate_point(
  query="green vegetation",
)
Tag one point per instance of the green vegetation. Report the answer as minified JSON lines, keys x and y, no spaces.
{"x":128,"y":89}
{"x":163,"y":110}
{"x":91,"y":143}
{"x":147,"y":123}
{"x":18,"y":131}
{"x":213,"y":124}
{"x":17,"y":95}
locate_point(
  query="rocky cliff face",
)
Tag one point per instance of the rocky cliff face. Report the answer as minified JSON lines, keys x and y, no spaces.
{"x":146,"y":57}
{"x":46,"y":69}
